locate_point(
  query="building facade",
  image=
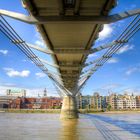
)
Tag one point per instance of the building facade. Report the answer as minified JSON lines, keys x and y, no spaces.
{"x":36,"y":103}
{"x":113,"y":101}
{"x":16,"y":92}
{"x":138,"y":101}
{"x":97,"y":102}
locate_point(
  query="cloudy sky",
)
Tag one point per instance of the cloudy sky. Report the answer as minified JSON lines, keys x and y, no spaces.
{"x":121,"y":73}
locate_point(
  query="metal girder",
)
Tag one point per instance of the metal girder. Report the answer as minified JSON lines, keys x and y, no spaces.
{"x":52,"y":72}
{"x":62,"y":91}
{"x":62,"y":18}
{"x":69,"y":51}
{"x":55,"y":79}
{"x":69,"y":80}
{"x":84,"y":75}
{"x":33,"y":47}
{"x":67,"y":75}
{"x":83,"y":51}
{"x":106,"y":46}
{"x":67,"y":65}
{"x":46,"y":62}
{"x":59,"y":85}
{"x":18,"y":16}
{"x":69,"y":68}
{"x":82,"y":80}
{"x":92,"y":62}
{"x":87,"y":72}
{"x":56,"y":76}
{"x":95,"y":61}
{"x":40,"y":49}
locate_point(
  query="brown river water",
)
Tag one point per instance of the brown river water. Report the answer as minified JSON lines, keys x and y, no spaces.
{"x":15,"y":126}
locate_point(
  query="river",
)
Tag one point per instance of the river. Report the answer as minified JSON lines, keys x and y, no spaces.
{"x":15,"y":126}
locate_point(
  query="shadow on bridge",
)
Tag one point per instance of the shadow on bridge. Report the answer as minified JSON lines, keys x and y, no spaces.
{"x":130,"y":127}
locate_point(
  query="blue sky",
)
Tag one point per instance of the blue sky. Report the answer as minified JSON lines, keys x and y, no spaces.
{"x":121,"y":73}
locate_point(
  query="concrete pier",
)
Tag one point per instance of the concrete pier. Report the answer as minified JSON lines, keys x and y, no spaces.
{"x":69,"y":108}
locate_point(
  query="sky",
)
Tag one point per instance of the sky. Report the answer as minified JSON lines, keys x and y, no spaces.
{"x":120,"y":74}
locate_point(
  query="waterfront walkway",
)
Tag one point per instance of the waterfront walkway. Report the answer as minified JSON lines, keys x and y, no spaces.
{"x":15,"y":126}
{"x":111,"y":129}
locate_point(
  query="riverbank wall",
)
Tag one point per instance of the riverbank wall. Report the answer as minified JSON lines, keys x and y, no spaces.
{"x":82,"y":111}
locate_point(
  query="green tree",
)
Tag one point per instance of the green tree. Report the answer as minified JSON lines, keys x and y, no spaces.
{"x":108,"y":107}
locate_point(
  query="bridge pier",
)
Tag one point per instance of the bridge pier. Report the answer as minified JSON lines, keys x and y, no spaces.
{"x":69,"y":108}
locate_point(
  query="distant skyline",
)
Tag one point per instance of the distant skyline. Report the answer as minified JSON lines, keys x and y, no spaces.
{"x":121,"y":73}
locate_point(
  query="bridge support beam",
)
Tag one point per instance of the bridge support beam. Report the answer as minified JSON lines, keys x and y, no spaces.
{"x":69,"y":108}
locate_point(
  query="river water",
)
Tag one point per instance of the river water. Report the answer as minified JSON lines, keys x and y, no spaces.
{"x":14,"y":126}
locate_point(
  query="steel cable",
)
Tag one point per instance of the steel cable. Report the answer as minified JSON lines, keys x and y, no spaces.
{"x":11,"y":34}
{"x":127,"y":34}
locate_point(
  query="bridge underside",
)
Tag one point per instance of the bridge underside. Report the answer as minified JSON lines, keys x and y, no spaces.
{"x":69,"y":29}
{"x":65,"y":38}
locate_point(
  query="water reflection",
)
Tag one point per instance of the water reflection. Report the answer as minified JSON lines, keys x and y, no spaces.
{"x":69,"y":130}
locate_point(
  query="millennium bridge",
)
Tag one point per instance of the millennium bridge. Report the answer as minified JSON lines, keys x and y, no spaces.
{"x":69,"y":29}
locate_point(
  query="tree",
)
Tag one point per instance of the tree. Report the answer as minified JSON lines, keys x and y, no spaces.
{"x":108,"y":107}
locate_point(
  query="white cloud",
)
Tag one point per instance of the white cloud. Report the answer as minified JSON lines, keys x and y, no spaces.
{"x":3,"y":90}
{"x":111,"y":86}
{"x":40,"y":75}
{"x":92,"y":55}
{"x":132,"y":70}
{"x":8,"y":84}
{"x":39,"y":43}
{"x":5,"y":86}
{"x":106,"y":32}
{"x":14,"y":73}
{"x":125,"y":49}
{"x":4,"y":52}
{"x":135,"y":91}
{"x":113,"y":60}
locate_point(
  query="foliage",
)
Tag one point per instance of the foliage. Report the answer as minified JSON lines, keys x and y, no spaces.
{"x":108,"y":107}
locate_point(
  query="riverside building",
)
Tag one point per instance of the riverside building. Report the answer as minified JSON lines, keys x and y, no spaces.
{"x":16,"y":92}
{"x":116,"y":102}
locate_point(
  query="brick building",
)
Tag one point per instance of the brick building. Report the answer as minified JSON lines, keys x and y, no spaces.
{"x":35,"y":103}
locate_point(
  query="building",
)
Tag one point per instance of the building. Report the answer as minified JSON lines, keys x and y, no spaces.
{"x":129,"y":101}
{"x":138,"y":101}
{"x":86,"y":102}
{"x":96,"y":101}
{"x":113,"y":101}
{"x":122,"y":101}
{"x":83,"y":102}
{"x":4,"y":101}
{"x":45,"y":92}
{"x":16,"y":92}
{"x":79,"y":101}
{"x":119,"y":103}
{"x":36,"y":103}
